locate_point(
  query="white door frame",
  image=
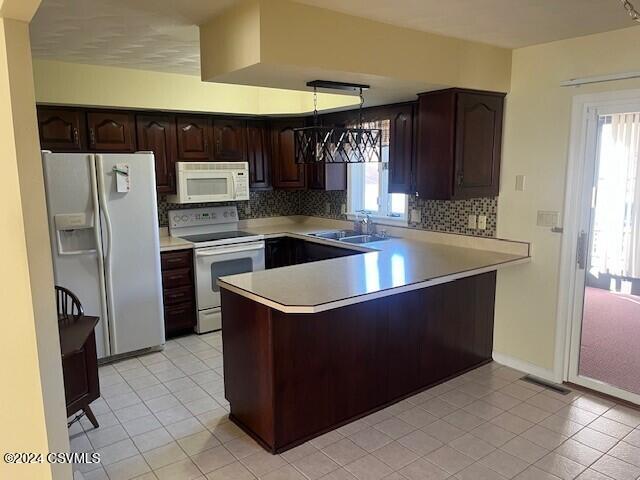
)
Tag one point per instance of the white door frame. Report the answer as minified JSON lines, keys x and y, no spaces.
{"x":569,"y":311}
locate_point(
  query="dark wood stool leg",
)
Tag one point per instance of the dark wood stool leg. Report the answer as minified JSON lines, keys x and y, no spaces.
{"x":92,"y":418}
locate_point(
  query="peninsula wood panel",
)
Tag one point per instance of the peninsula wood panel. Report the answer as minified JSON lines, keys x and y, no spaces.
{"x":305,"y":374}
{"x":248,"y":365}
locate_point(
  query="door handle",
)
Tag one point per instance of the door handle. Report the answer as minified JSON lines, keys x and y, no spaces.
{"x":581,"y":251}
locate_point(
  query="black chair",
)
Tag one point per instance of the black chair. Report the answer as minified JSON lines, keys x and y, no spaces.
{"x":68,"y":305}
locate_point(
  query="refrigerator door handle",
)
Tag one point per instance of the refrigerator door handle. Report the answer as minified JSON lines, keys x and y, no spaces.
{"x":98,"y":239}
{"x":109,"y":260}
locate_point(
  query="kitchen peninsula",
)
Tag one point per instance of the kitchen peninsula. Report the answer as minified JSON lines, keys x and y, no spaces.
{"x":313,"y":346}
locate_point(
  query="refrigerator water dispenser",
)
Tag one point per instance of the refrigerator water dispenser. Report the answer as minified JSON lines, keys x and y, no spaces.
{"x":74,"y":234}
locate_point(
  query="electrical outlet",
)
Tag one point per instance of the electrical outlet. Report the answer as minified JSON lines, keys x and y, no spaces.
{"x":248,"y":208}
{"x":471,"y":223}
{"x":416,"y":216}
{"x":343,"y":208}
{"x":327,"y":208}
{"x":482,"y":222}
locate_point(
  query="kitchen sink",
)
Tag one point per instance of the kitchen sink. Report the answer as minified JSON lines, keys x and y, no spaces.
{"x":363,"y":238}
{"x":334,"y":234}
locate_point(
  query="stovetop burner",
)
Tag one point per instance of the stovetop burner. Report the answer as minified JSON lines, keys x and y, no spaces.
{"x":211,"y":237}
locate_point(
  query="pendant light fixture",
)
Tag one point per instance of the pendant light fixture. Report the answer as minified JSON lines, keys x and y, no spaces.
{"x":320,"y":144}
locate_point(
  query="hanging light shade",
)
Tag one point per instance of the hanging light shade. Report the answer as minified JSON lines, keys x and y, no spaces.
{"x":320,"y":144}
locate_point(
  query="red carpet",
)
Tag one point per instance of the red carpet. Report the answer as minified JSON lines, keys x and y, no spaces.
{"x":610,"y":350}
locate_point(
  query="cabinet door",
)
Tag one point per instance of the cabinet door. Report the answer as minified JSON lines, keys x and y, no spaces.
{"x":478,"y":144}
{"x":194,"y":138}
{"x":157,"y":133}
{"x":286,"y":172}
{"x":259,"y":155}
{"x":61,"y":130}
{"x":326,"y":176}
{"x":229,"y":140}
{"x":111,"y":131}
{"x":401,"y":153}
{"x":278,"y":252}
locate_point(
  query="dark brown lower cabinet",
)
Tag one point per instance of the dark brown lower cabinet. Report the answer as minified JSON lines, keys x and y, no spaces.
{"x":292,"y":377}
{"x":285,"y":251}
{"x":178,"y":292}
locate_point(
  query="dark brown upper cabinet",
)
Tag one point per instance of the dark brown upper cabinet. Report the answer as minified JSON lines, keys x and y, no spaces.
{"x":327,"y":176}
{"x":459,"y":137}
{"x":259,"y":154}
{"x":229,"y":140}
{"x":111,"y":131}
{"x":61,"y":130}
{"x":401,"y":149}
{"x":194,"y":138}
{"x":287,"y":174}
{"x":157,"y":133}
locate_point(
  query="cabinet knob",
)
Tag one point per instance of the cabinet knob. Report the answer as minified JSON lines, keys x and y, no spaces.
{"x":76,"y":137}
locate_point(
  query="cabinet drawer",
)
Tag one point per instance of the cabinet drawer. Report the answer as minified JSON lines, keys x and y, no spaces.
{"x":176,"y":278}
{"x":179,"y":317}
{"x":174,"y":296}
{"x":173,"y":260}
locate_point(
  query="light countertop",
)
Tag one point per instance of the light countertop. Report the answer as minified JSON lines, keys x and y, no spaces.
{"x":168,"y":244}
{"x":397,"y":265}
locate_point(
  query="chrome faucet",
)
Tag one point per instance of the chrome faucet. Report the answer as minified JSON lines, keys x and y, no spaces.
{"x":364,"y":226}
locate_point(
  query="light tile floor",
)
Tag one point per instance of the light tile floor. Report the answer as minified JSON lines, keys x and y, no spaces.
{"x":163,"y":416}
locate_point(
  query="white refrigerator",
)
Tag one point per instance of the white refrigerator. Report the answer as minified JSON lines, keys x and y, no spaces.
{"x":103,"y":224}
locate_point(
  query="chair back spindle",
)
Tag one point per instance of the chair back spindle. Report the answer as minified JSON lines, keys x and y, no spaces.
{"x":68,"y":305}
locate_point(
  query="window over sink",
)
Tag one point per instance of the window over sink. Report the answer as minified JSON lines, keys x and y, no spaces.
{"x":368,"y":186}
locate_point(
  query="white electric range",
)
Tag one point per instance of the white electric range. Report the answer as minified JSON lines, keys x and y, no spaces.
{"x":220,"y":249}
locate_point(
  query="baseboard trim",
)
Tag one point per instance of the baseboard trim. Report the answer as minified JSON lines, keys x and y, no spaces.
{"x":526,"y":367}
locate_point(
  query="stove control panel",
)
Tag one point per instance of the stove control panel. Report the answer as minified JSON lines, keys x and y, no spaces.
{"x":194,"y":217}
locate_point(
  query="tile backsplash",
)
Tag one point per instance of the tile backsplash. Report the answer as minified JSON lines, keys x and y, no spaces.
{"x":449,"y":216}
{"x":452,"y":216}
{"x":268,"y":203}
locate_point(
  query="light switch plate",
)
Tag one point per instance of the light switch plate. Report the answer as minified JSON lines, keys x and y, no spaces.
{"x":520,"y":181}
{"x":327,"y":208}
{"x":343,"y":209}
{"x":548,"y":218}
{"x":472,"y":222}
{"x":482,"y":222}
{"x":416,"y":216}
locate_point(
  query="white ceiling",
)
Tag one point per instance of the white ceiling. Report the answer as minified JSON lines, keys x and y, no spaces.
{"x":162,"y":35}
{"x":145,"y":34}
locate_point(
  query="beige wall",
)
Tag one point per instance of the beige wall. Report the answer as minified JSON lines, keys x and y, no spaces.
{"x":32,"y":409}
{"x":283,"y":43}
{"x":536,"y":143}
{"x":94,"y":85}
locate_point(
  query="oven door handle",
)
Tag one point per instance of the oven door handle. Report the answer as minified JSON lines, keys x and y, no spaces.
{"x":223,"y":251}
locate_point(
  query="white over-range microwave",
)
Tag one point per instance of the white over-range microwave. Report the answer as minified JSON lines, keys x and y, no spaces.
{"x":203,"y":182}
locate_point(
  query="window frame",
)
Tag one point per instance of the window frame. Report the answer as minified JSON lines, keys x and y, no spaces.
{"x":383,"y":215}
